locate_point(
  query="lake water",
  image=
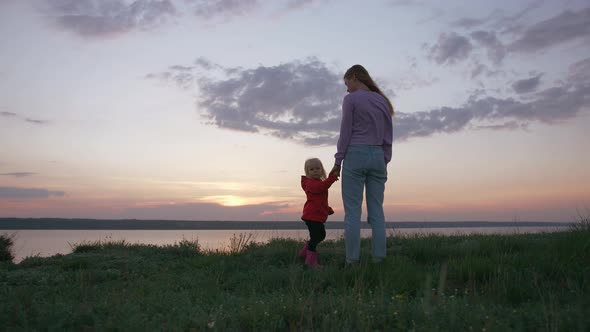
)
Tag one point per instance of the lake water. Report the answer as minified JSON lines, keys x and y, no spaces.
{"x":50,"y":242}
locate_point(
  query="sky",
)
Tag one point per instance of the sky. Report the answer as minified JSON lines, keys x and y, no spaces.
{"x":207,"y":110}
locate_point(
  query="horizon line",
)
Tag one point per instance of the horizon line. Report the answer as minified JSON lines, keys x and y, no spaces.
{"x":159,"y":224}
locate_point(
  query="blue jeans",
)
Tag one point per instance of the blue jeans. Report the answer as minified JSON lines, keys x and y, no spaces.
{"x":363,"y":168}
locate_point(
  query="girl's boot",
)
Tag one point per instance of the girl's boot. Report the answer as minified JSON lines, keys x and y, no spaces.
{"x":303,"y":252}
{"x":311,"y":260}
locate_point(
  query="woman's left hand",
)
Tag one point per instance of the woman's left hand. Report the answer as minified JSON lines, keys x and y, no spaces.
{"x":335,"y":170}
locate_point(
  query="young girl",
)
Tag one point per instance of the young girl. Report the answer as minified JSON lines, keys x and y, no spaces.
{"x":316,"y":209}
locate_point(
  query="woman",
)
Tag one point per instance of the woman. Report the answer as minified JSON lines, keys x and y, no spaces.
{"x":366,"y":135}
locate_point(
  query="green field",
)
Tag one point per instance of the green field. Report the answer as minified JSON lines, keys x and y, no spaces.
{"x":526,"y":282}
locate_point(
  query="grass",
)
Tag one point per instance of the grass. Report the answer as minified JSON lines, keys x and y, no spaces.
{"x":6,"y":243}
{"x":583,"y":223}
{"x":525,"y":282}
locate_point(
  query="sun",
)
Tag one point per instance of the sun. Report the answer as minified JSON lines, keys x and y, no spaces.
{"x":233,"y":201}
{"x":226,"y":200}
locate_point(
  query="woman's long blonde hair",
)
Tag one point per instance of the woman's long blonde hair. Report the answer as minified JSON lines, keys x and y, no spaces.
{"x":362,"y":75}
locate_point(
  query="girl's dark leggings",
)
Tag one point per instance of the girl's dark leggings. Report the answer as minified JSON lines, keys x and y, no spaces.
{"x":317,"y":233}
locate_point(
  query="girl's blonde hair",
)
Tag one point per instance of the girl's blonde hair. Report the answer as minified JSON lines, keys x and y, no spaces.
{"x":310,"y":161}
{"x":362,"y":75}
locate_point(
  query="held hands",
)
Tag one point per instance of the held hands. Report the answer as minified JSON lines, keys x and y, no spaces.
{"x":335,"y":170}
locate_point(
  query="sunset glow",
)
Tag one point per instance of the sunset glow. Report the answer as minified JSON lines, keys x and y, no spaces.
{"x":167,"y":113}
{"x":228,"y":200}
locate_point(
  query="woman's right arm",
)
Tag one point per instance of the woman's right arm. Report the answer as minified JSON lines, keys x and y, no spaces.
{"x":345,"y":130}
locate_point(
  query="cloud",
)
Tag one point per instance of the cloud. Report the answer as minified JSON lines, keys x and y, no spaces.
{"x":214,"y":8}
{"x":299,"y":4}
{"x":108,"y":18}
{"x":18,"y":174}
{"x":480,"y":68}
{"x":550,"y":106}
{"x":565,"y":27}
{"x":510,"y":125}
{"x":450,"y":48}
{"x":496,"y":50}
{"x":39,"y":122}
{"x":512,"y":22}
{"x":103,"y":18}
{"x":210,"y":211}
{"x":580,"y":71}
{"x":227,"y":9}
{"x":25,"y":119}
{"x":406,"y":3}
{"x":301,"y":101}
{"x":468,"y":23}
{"x":569,"y":26}
{"x":527,"y":85}
{"x":181,"y":76}
{"x":298,"y":100}
{"x":498,"y":19}
{"x":8,"y":114}
{"x":27,"y":193}
{"x":413,"y":80}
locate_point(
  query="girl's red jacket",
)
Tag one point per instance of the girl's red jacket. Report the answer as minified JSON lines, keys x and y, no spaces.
{"x":316,"y":207}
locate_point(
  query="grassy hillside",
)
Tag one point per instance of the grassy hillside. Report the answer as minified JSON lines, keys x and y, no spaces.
{"x":527,"y":282}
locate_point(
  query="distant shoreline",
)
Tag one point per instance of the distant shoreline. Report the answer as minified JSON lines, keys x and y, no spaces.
{"x":134,"y":224}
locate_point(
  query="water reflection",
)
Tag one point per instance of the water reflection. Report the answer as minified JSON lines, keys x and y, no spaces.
{"x":50,"y":242}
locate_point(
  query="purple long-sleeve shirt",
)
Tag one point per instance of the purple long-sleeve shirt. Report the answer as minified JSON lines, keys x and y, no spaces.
{"x":366,"y":120}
